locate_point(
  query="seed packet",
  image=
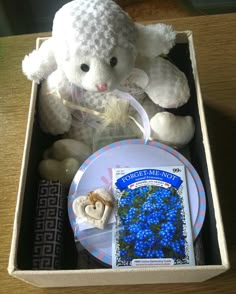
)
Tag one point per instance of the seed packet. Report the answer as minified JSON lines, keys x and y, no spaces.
{"x":153,"y":224}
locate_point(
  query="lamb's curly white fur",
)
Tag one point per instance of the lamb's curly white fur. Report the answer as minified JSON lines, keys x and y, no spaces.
{"x":93,"y":27}
{"x":95,"y":46}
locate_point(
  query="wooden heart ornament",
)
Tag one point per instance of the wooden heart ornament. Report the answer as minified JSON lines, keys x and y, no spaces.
{"x":95,"y":208}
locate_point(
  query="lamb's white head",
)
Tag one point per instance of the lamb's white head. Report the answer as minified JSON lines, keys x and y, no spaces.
{"x":94,"y":43}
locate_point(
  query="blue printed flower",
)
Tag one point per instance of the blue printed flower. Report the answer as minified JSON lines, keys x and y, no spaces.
{"x":145,"y":234}
{"x":152,"y":224}
{"x":134,"y":228}
{"x":159,"y":253}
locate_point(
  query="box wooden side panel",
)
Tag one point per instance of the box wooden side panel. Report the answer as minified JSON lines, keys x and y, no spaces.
{"x":20,"y":196}
{"x":118,"y":277}
{"x":220,"y":229}
{"x":12,"y":264}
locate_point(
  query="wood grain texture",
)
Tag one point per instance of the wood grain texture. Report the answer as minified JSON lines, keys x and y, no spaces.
{"x":215,"y":46}
{"x":155,"y":9}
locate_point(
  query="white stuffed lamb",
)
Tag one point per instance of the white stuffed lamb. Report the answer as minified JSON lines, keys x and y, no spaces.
{"x":94,"y":48}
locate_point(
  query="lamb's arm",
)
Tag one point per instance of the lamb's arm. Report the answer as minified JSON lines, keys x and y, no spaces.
{"x":155,"y":39}
{"x":40,"y":63}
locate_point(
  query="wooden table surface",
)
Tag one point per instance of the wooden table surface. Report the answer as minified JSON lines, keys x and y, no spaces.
{"x":215,"y":45}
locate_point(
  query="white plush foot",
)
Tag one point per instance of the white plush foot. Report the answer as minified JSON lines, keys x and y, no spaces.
{"x":173,"y":130}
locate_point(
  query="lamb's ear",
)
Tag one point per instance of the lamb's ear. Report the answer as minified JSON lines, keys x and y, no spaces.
{"x":154,"y":39}
{"x":40,"y":63}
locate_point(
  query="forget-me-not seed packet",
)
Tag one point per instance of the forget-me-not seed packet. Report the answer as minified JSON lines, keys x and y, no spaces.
{"x":153,"y":224}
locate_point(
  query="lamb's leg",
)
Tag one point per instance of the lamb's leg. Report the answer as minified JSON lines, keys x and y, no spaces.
{"x":173,"y":130}
{"x":55,"y":117}
{"x":168,"y":86}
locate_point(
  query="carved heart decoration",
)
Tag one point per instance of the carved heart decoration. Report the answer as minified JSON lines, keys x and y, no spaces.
{"x":94,"y":208}
{"x":95,"y":211}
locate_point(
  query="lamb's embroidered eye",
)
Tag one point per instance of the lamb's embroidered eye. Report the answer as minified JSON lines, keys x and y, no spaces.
{"x":113,"y":61}
{"x":84,"y":67}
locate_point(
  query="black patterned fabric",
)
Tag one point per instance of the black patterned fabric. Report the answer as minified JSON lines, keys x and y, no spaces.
{"x":49,"y":223}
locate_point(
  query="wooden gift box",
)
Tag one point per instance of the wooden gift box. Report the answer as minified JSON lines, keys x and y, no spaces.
{"x":212,"y":234}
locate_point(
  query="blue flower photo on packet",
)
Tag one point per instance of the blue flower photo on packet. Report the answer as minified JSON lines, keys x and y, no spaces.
{"x":153,"y":226}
